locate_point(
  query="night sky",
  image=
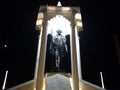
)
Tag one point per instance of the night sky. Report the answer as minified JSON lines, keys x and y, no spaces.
{"x":19,"y":40}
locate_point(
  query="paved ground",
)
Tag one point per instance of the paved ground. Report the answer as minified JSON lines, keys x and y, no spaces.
{"x":58,"y":82}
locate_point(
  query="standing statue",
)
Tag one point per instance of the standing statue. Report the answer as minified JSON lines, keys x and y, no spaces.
{"x":58,"y":49}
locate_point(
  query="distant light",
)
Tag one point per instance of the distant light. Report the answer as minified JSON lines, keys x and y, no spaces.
{"x":5,"y":45}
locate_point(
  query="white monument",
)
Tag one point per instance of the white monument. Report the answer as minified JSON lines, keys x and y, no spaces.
{"x":47,"y":77}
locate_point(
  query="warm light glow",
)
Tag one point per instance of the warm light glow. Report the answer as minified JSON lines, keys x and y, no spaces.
{"x":80,"y":88}
{"x":59,"y":22}
{"x":39,"y":19}
{"x":65,"y":8}
{"x":44,"y":84}
{"x":39,"y":22}
{"x":51,"y":8}
{"x":78,"y":16}
{"x":78,"y":23}
{"x":71,"y":82}
{"x":40,"y":16}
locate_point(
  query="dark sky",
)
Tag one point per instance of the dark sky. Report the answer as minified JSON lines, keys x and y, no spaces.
{"x":96,"y":42}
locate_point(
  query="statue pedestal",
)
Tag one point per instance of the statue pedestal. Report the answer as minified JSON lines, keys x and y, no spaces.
{"x":57,"y":70}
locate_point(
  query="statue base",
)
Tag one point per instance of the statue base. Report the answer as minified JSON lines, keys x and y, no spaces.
{"x":55,"y":69}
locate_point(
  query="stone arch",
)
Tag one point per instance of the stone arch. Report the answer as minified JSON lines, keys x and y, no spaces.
{"x":59,"y":22}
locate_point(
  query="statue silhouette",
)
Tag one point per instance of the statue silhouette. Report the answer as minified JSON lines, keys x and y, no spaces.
{"x":58,"y":49}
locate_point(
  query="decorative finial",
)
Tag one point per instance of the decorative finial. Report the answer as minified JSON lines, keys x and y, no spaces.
{"x":59,"y":3}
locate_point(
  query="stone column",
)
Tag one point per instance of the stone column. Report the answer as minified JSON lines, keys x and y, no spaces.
{"x":78,"y":55}
{"x":41,"y":65}
{"x":38,"y":54}
{"x":75,"y":78}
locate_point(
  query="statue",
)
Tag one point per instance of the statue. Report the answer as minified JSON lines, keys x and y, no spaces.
{"x":58,"y":49}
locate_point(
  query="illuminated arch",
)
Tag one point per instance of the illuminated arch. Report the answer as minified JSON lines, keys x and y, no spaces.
{"x":59,"y":22}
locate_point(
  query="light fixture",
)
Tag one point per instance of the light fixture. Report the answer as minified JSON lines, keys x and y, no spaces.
{"x":78,"y":21}
{"x":78,"y":16}
{"x":5,"y":45}
{"x":39,"y":20}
